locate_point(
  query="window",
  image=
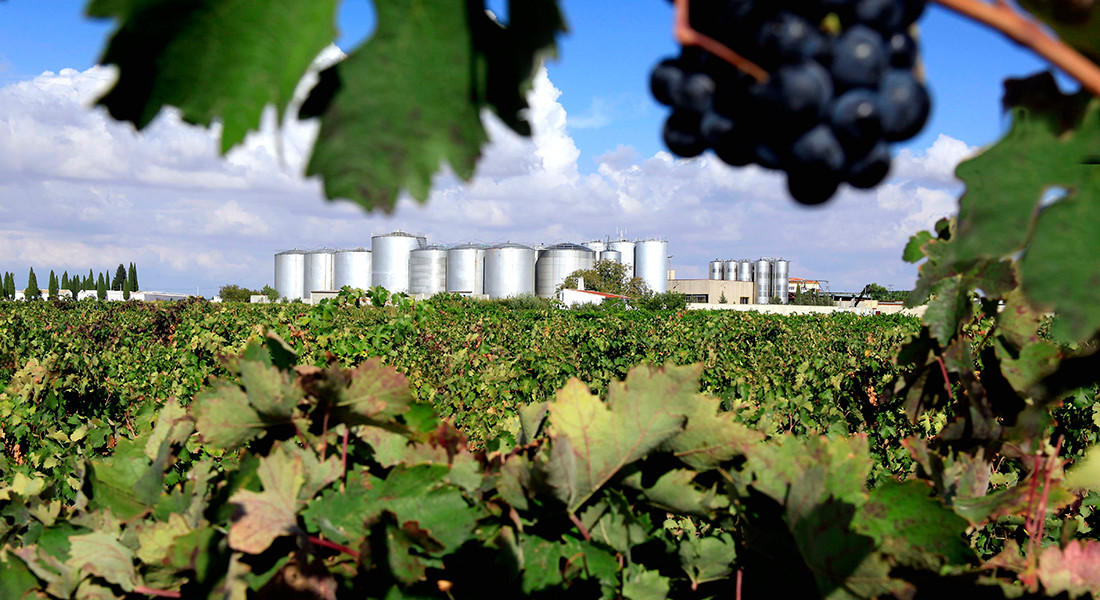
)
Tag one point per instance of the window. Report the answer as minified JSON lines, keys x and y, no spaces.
{"x":744,"y":299}
{"x":697,"y":298}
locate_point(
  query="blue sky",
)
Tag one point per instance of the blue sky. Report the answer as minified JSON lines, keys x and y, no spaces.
{"x":607,"y":134}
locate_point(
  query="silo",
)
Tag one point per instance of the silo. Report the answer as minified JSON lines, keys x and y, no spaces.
{"x":626,"y":248}
{"x":651,"y":263}
{"x":509,"y":270}
{"x":290,"y":274}
{"x":781,"y":279}
{"x":762,"y":275}
{"x":390,"y":263}
{"x":558,"y":262}
{"x":466,"y":269}
{"x":595,"y":246}
{"x":351,"y":268}
{"x":729,"y":270}
{"x":428,"y":270}
{"x":715,"y":270}
{"x":744,"y":270}
{"x":612,"y":255}
{"x":321,"y":270}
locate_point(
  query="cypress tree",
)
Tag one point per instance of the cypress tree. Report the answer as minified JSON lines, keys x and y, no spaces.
{"x":101,"y":287}
{"x":119,"y":279}
{"x":52,"y":285}
{"x":4,"y":286}
{"x":32,"y":292}
{"x":65,"y":280}
{"x":89,"y":283}
{"x":132,"y":278}
{"x":9,"y":286}
{"x":126,"y":290}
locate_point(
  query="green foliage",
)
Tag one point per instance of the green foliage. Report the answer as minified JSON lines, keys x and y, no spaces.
{"x":271,"y":293}
{"x":52,"y":289}
{"x":101,"y":287}
{"x":235,"y":293}
{"x":32,"y":292}
{"x":119,"y":279}
{"x":661,"y":301}
{"x":609,"y":277}
{"x":722,"y":299}
{"x":131,"y":277}
{"x":875,"y":291}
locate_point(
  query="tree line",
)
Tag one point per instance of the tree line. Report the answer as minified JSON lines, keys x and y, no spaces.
{"x":125,"y":280}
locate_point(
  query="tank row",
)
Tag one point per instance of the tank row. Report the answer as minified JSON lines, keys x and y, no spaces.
{"x":404,"y":262}
{"x":771,"y":276}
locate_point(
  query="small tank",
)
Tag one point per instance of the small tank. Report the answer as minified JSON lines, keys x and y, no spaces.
{"x":509,"y":271}
{"x":744,"y":270}
{"x":291,"y":271}
{"x":612,"y":255}
{"x":352,"y":268}
{"x":466,"y":269}
{"x":558,"y":262}
{"x":762,"y":275}
{"x":715,"y":271}
{"x":321,"y":270}
{"x":390,"y":263}
{"x":626,"y":248}
{"x":428,"y":270}
{"x":651,"y":263}
{"x":781,"y":279}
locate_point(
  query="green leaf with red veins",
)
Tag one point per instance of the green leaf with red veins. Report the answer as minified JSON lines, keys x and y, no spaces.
{"x":102,"y":555}
{"x":642,"y":412}
{"x":272,"y":512}
{"x":711,"y":436}
{"x":215,"y":60}
{"x":224,"y":418}
{"x":376,"y":393}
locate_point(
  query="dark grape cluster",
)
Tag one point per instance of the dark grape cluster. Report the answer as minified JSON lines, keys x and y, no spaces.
{"x":841,"y":85}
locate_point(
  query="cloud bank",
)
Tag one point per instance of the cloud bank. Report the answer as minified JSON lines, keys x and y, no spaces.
{"x":80,"y":191}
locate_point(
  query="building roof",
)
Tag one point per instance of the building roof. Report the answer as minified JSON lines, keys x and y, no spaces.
{"x":603,"y":294}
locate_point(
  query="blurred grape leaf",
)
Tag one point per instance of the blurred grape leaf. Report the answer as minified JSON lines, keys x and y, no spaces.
{"x":1077,"y":22}
{"x":272,"y":512}
{"x":215,"y":60}
{"x":1074,"y":569}
{"x":908,"y":523}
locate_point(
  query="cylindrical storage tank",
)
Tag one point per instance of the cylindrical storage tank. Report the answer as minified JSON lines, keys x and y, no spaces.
{"x":466,"y":269}
{"x":612,"y":255}
{"x":351,"y":268}
{"x":509,"y":271}
{"x":651,"y":264}
{"x":762,"y":272}
{"x":781,"y":279}
{"x":428,"y":270}
{"x":716,"y":270}
{"x":321,"y":271}
{"x":744,"y":270}
{"x":291,"y":268}
{"x":558,"y":262}
{"x":595,"y":246}
{"x":729,"y":270}
{"x":626,"y":248}
{"x":390,"y":261}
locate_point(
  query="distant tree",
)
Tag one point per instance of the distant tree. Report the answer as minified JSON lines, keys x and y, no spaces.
{"x":722,"y":298}
{"x":11,"y":286}
{"x":52,"y":286}
{"x":662,"y":301}
{"x":89,"y":282}
{"x":101,"y":287}
{"x":32,"y":292}
{"x":126,"y":289}
{"x":119,"y":279}
{"x":609,"y":277}
{"x":65,"y":280}
{"x":235,"y":293}
{"x":4,"y":287}
{"x":131,"y":276}
{"x":271,"y":293}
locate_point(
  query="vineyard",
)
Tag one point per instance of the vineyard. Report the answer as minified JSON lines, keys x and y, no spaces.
{"x":459,"y":448}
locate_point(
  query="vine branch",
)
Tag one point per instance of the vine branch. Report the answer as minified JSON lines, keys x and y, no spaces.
{"x":687,"y":36}
{"x":1003,"y":18}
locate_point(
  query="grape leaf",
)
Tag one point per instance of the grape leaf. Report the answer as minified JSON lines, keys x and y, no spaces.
{"x":710,"y":437}
{"x":61,"y":578}
{"x":409,"y":99}
{"x":1085,"y":474}
{"x":1077,"y":22}
{"x":127,"y":482}
{"x":647,"y":409}
{"x":271,"y":513}
{"x":376,"y":392}
{"x":642,"y":584}
{"x":219,"y":60}
{"x":908,"y":523}
{"x":224,"y":417}
{"x":102,"y":555}
{"x":1052,"y":147}
{"x":1074,"y":569}
{"x":707,"y":558}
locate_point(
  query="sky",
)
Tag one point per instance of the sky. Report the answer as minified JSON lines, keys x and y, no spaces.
{"x":79,"y":191}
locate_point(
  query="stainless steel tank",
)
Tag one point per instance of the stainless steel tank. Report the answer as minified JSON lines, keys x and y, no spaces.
{"x":390,"y":263}
{"x":612,"y":255}
{"x":466,"y":269}
{"x":351,"y":268}
{"x":509,"y":270}
{"x":595,"y":246}
{"x":626,"y":248}
{"x":744,"y":270}
{"x":321,"y":270}
{"x":715,"y":271}
{"x":290,"y":274}
{"x":762,"y":275}
{"x":651,"y":263}
{"x":781,"y":279}
{"x":557,"y":262}
{"x":428,"y":270}
{"x":729,"y":270}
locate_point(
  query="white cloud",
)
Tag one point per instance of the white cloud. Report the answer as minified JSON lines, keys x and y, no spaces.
{"x":79,"y":191}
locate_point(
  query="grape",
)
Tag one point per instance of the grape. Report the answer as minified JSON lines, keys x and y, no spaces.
{"x":905,"y":105}
{"x":883,"y":15}
{"x":665,"y":80}
{"x":856,"y":119}
{"x":858,"y":58}
{"x":902,"y":50}
{"x":831,"y":102}
{"x":870,"y":170}
{"x":681,"y":134}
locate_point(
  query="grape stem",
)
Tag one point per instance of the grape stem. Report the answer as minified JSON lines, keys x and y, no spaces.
{"x":1000,"y":16}
{"x":687,"y":36}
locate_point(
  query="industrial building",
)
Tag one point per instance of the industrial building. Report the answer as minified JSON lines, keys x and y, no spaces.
{"x":739,"y":281}
{"x":404,"y":262}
